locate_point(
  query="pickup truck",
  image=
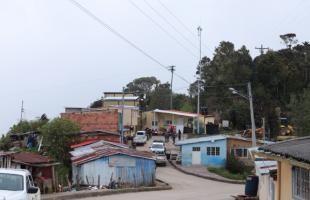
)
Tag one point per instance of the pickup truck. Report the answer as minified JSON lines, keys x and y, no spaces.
{"x":140,"y":138}
{"x":17,"y":184}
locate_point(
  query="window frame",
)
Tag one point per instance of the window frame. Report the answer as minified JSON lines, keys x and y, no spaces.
{"x":297,"y":173}
{"x":196,"y":149}
{"x":214,"y":151}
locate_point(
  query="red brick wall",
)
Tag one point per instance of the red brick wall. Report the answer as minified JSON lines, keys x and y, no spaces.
{"x":105,"y":120}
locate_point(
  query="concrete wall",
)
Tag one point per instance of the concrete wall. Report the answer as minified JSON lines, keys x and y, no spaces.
{"x":215,"y":161}
{"x":105,"y":120}
{"x":162,"y":118}
{"x":132,"y":171}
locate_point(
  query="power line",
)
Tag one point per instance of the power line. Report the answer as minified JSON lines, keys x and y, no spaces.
{"x":162,"y":28}
{"x":261,"y":49}
{"x":178,"y":19}
{"x":105,"y":25}
{"x":180,"y":22}
{"x":170,"y":24}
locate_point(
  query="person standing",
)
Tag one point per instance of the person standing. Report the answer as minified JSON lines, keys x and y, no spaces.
{"x":179,"y":135}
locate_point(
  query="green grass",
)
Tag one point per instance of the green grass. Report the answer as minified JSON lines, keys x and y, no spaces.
{"x":226,"y":174}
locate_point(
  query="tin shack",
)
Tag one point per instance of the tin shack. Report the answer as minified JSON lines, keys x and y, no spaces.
{"x":102,"y":165}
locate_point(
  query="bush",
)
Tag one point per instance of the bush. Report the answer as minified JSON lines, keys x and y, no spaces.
{"x":235,"y":166}
{"x":225,"y":173}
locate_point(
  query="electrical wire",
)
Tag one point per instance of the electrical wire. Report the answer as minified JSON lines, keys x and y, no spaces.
{"x":171,"y":25}
{"x":162,"y":28}
{"x":181,"y":23}
{"x":108,"y":27}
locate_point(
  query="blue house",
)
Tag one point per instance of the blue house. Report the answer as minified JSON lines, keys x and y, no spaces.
{"x":100,"y":165}
{"x":209,"y":151}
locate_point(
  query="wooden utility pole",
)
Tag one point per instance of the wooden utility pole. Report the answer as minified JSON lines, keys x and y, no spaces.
{"x":172,"y":69}
{"x":261,"y":49}
{"x":22,"y":111}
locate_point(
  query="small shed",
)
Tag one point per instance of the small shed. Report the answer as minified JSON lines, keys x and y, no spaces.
{"x":209,"y":151}
{"x":41,"y":167}
{"x":102,"y":165}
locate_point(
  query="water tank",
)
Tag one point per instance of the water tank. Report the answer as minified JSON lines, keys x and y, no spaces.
{"x":251,"y":186}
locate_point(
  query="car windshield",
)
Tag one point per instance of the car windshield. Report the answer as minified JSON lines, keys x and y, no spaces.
{"x":11,"y":182}
{"x":140,"y":133}
{"x":157,"y":146}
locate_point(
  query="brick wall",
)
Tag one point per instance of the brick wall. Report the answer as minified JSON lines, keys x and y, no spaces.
{"x":104,"y":120}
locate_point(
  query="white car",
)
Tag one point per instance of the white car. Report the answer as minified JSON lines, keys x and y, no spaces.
{"x":140,"y":137}
{"x":161,"y":158}
{"x":17,"y":184}
{"x":158,"y":147}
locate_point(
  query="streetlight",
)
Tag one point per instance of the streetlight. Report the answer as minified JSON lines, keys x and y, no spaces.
{"x":248,"y":97}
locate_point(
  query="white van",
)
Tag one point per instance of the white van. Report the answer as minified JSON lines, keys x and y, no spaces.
{"x":17,"y":184}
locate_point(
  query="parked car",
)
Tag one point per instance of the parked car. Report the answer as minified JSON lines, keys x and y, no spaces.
{"x":161,"y":158}
{"x":140,"y":138}
{"x":158,"y":148}
{"x":17,"y":184}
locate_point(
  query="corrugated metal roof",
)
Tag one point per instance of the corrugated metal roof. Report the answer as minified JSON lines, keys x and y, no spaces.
{"x":109,"y":151}
{"x":298,"y":149}
{"x":202,"y":139}
{"x":90,"y":148}
{"x":217,"y":137}
{"x":87,"y":142}
{"x":6,"y":153}
{"x":31,"y":158}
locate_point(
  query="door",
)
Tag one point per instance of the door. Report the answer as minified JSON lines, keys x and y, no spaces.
{"x":29,"y":183}
{"x":196,"y":156}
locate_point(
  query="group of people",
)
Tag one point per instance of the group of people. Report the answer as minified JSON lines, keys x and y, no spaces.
{"x":172,"y":133}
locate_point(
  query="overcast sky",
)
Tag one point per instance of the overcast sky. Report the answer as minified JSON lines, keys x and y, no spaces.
{"x":53,"y":55}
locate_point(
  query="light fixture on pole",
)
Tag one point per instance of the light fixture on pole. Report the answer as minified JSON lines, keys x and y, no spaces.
{"x":248,"y":97}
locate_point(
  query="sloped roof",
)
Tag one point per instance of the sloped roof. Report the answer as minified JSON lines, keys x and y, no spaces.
{"x":202,"y":139}
{"x":31,"y":158}
{"x":6,"y":153}
{"x":109,"y":151}
{"x":298,"y":149}
{"x":87,"y":142}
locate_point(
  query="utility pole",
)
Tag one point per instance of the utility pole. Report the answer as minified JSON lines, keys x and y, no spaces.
{"x":261,"y":49}
{"x":252,"y":115}
{"x":22,"y":111}
{"x":172,"y":69}
{"x":122,"y":119}
{"x":198,"y":78}
{"x":264,"y":129}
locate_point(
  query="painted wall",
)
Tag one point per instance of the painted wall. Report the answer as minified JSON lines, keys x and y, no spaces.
{"x":132,"y":171}
{"x":284,"y":181}
{"x":208,"y":160}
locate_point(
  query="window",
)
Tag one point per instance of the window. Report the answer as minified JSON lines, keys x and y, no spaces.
{"x":301,"y":186}
{"x":239,"y":152}
{"x":154,"y":123}
{"x":168,"y":122}
{"x":196,"y":148}
{"x":11,"y":182}
{"x":213,"y":151}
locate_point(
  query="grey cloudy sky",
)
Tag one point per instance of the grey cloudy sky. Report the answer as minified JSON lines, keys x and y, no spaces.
{"x":52,"y":55}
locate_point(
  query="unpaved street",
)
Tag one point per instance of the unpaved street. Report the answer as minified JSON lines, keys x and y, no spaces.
{"x":185,"y":187}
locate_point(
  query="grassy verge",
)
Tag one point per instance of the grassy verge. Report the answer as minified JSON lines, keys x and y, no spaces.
{"x":226,"y":174}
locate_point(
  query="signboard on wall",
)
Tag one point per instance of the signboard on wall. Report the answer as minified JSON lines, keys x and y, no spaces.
{"x":122,"y":162}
